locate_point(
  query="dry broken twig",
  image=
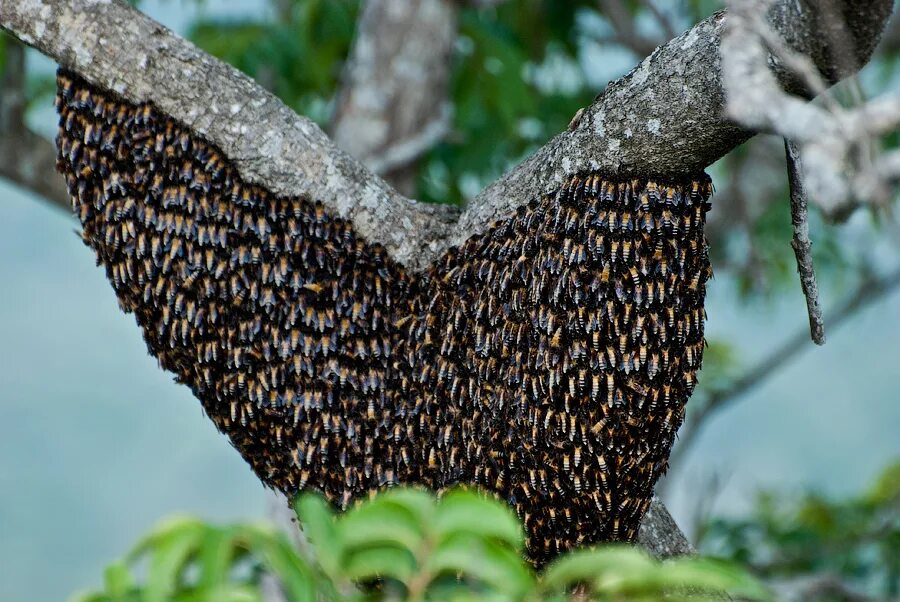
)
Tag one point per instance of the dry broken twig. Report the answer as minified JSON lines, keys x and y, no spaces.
{"x":801,"y":243}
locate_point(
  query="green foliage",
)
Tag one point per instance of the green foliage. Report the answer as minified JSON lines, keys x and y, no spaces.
{"x":403,"y":544}
{"x":856,"y":539}
{"x":298,"y":56}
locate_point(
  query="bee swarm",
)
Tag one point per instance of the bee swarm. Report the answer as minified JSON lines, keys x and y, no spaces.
{"x":547,"y":360}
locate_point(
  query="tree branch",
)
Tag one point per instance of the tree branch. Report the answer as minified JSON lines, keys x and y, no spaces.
{"x":801,"y":243}
{"x":622,"y":22}
{"x":665,"y":117}
{"x":119,"y":48}
{"x":835,"y":143}
{"x":393,"y":103}
{"x":668,"y":115}
{"x":660,"y":535}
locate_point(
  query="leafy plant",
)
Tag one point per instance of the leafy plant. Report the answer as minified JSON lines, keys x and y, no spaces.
{"x":403,"y":544}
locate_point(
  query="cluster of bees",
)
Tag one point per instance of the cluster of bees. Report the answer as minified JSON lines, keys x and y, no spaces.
{"x":547,"y":360}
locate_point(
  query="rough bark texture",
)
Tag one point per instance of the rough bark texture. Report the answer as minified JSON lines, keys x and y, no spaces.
{"x":660,"y":534}
{"x":393,"y":104}
{"x":802,"y":244}
{"x":119,"y":48}
{"x":666,"y":117}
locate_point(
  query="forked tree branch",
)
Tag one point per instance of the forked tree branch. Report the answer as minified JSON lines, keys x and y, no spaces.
{"x":664,"y":118}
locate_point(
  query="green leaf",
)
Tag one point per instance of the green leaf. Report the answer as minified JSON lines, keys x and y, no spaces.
{"x":235,"y":593}
{"x":319,"y":524}
{"x":171,"y":551}
{"x":712,"y":575}
{"x":162,"y":531}
{"x":215,"y":557}
{"x":464,"y":511}
{"x":381,"y":561}
{"x":595,"y":565}
{"x":118,"y":580}
{"x":296,"y":577}
{"x":487,"y":561}
{"x":418,"y":501}
{"x":382,"y":520}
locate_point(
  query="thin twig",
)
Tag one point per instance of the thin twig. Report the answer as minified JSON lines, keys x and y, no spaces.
{"x":869,"y":291}
{"x":661,"y":19}
{"x":625,"y":34}
{"x":801,"y":243}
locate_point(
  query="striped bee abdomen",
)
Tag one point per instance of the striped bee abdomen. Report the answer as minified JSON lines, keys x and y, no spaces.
{"x":547,"y":360}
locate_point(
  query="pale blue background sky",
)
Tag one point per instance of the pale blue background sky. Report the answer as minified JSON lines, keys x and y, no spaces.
{"x":97,"y":443}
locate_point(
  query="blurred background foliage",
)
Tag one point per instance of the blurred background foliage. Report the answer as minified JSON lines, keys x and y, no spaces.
{"x":840,"y":546}
{"x":521,"y":70}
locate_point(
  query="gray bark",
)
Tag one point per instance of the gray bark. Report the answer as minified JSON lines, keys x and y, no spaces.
{"x":660,"y":534}
{"x":119,"y":48}
{"x":667,"y":116}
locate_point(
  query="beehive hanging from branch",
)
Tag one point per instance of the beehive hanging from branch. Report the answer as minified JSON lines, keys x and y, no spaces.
{"x":547,"y":359}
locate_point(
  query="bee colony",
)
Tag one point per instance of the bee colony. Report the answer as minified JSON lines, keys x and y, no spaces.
{"x":547,"y":360}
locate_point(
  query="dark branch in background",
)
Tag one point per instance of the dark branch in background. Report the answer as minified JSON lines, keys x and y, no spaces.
{"x":392,"y":106}
{"x":801,"y":244}
{"x":622,"y":22}
{"x":26,"y":158}
{"x":871,"y":290}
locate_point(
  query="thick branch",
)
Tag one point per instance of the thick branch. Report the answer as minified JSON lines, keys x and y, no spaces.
{"x":393,"y":104}
{"x":30,"y":162}
{"x":660,"y":534}
{"x":121,"y":49}
{"x":667,"y":116}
